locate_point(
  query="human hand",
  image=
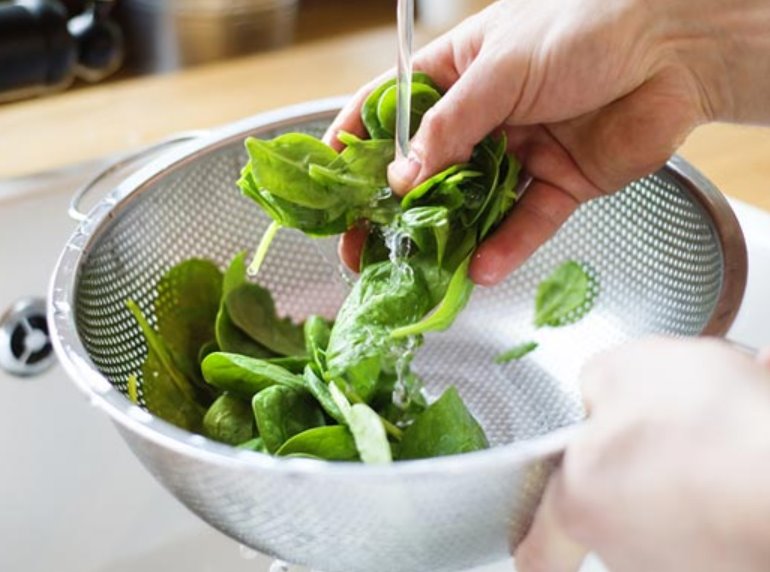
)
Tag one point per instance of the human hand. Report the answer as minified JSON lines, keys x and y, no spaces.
{"x":672,"y":469}
{"x":592,"y":95}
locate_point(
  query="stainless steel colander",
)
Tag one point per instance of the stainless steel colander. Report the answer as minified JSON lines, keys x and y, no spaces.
{"x":667,"y":250}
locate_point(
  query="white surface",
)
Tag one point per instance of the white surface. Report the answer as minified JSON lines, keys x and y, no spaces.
{"x":73,"y":498}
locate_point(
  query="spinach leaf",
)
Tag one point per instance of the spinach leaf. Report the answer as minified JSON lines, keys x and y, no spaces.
{"x":445,"y":428}
{"x":317,"y":332}
{"x":457,"y":295}
{"x":165,"y":389}
{"x":516,"y":352}
{"x":229,"y":337}
{"x":282,"y":412}
{"x":423,"y":98}
{"x":229,"y":420}
{"x":251,"y":309}
{"x":246,"y":376}
{"x":186,"y":308}
{"x":360,"y":348}
{"x":281,"y":165}
{"x":333,"y":443}
{"x":370,"y":107}
{"x":366,"y":158}
{"x":295,"y":364}
{"x":313,"y":221}
{"x":565,"y":296}
{"x":323,"y":394}
{"x":256,"y":444}
{"x":369,"y":434}
{"x":366,"y":427}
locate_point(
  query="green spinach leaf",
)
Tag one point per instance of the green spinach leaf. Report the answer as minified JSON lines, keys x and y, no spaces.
{"x":251,"y":309}
{"x":445,"y":428}
{"x":229,"y":337}
{"x":565,"y":296}
{"x":257,"y":444}
{"x":229,"y":420}
{"x":166,"y":391}
{"x":516,"y":352}
{"x":186,"y":309}
{"x":282,"y":412}
{"x":333,"y":443}
{"x":246,"y":376}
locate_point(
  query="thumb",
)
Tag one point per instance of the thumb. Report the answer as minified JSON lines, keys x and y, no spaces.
{"x":473,"y":107}
{"x":547,"y":547}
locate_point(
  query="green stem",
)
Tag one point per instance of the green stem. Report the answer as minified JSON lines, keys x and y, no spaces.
{"x":264,"y":246}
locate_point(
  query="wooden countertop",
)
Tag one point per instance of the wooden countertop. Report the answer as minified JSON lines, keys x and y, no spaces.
{"x":84,"y":124}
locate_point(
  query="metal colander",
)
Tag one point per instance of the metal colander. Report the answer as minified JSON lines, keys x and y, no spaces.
{"x":669,"y":257}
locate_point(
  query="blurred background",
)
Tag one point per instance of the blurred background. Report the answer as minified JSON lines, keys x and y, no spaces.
{"x":111,"y":76}
{"x":48,"y":45}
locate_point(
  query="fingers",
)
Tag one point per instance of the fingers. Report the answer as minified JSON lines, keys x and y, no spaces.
{"x":534,"y":219}
{"x":472,"y":108}
{"x":350,"y":247}
{"x":547,"y":547}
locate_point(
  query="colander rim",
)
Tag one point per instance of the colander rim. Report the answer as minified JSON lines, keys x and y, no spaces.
{"x":85,"y":375}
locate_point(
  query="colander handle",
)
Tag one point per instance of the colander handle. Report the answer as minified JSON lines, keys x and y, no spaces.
{"x":126,"y":162}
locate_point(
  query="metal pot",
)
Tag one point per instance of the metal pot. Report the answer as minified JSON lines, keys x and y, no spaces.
{"x":164,"y":35}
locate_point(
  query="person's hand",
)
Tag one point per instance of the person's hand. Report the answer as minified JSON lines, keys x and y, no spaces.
{"x":592,"y":95}
{"x":672,"y":470}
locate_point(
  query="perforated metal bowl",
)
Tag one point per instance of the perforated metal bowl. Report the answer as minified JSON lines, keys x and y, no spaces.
{"x":670,"y":258}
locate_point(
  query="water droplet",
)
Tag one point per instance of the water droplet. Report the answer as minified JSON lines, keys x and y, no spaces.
{"x":248,"y":553}
{"x":279,"y":566}
{"x":62,"y":307}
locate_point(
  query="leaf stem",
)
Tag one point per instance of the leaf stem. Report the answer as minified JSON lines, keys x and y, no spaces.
{"x":264,"y":246}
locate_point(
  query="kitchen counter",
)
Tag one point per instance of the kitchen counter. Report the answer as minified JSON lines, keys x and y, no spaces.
{"x":78,"y":126}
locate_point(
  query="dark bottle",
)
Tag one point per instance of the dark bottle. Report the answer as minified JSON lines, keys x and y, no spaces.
{"x":42,"y":51}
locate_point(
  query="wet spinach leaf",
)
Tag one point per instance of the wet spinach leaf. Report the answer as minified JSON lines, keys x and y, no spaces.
{"x":332,"y":443}
{"x":229,"y":420}
{"x":166,"y":391}
{"x":322,"y":392}
{"x":256,"y":444}
{"x":251,"y":309}
{"x":186,"y":309}
{"x":457,"y":295}
{"x":282,"y":412}
{"x":516,"y":352}
{"x":367,"y":428}
{"x":565,"y":296}
{"x":360,"y":348}
{"x":317,"y":332}
{"x":445,"y":428}
{"x":229,"y":337}
{"x":246,"y":376}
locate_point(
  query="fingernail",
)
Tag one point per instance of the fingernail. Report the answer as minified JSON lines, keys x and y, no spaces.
{"x":403,"y":172}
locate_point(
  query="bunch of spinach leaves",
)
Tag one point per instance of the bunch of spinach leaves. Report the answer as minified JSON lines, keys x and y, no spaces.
{"x":414,"y":265}
{"x":222,"y":362}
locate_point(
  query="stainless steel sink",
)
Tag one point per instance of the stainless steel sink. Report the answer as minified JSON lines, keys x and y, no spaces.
{"x":73,"y":498}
